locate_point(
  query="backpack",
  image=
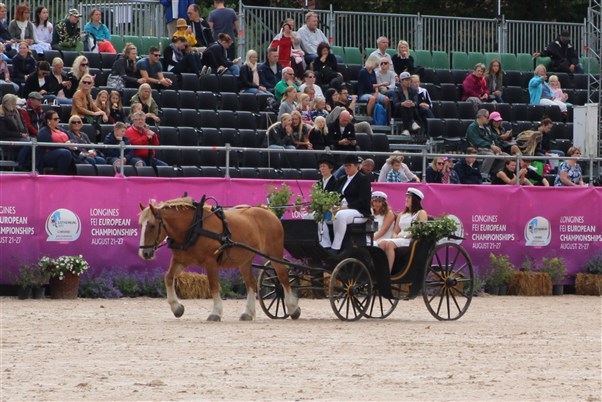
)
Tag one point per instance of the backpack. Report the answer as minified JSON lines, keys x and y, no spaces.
{"x":379,"y":115}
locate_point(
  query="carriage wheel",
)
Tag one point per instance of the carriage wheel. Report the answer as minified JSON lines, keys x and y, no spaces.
{"x":271,"y":293}
{"x":350,"y":289}
{"x":381,"y":307}
{"x":448,"y":282}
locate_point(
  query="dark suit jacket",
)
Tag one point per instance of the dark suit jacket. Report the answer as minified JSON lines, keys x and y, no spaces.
{"x":331,"y":185}
{"x":357,"y":193}
{"x":215,"y":56}
{"x":334,"y":132}
{"x":267,"y":78}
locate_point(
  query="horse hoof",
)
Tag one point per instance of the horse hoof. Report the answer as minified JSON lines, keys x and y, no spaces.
{"x":296,"y":314}
{"x":214,"y":317}
{"x":246,"y":317}
{"x":179,"y":311}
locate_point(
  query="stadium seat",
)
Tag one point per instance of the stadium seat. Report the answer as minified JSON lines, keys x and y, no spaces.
{"x":188,"y":99}
{"x":490,"y":56}
{"x":436,"y":127}
{"x":266,"y":119}
{"x":352,"y":72}
{"x":169,"y":171}
{"x":94,"y":59}
{"x":511,"y":78}
{"x":82,"y":169}
{"x":119,"y":44}
{"x":509,"y":62}
{"x":353,"y":55}
{"x":105,"y":170}
{"x":169,"y":98}
{"x":338,"y":51}
{"x":148,"y":41}
{"x":474,"y":58}
{"x":291,"y":174}
{"x":466,"y":110}
{"x":145,"y":171}
{"x":520,"y":112}
{"x":170,"y":117}
{"x":69,"y":57}
{"x":108,"y":59}
{"x":208,"y":119}
{"x":543,"y":60}
{"x":380,"y":143}
{"x":525,"y":62}
{"x":310,"y":174}
{"x":247,"y":173}
{"x":211,"y":137}
{"x":128,"y":171}
{"x":364,"y":142}
{"x":460,"y":61}
{"x":190,"y":82}
{"x":443,"y":76}
{"x":449,"y":92}
{"x":190,"y":118}
{"x":514,"y":95}
{"x":246,"y":120}
{"x":505,"y":109}
{"x":440,"y":59}
{"x":211,"y":171}
{"x":230,"y":136}
{"x":248,"y":102}
{"x":127,"y":95}
{"x":137,"y":41}
{"x":590,"y":65}
{"x":50,"y":55}
{"x":229,"y":101}
{"x":206,"y":100}
{"x":248,"y":138}
{"x":228,"y":83}
{"x":209,"y":82}
{"x":445,"y":109}
{"x":267,"y":173}
{"x":191,"y":171}
{"x":105,"y":129}
{"x":227,"y":118}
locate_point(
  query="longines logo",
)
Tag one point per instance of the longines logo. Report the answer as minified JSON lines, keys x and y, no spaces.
{"x":63,"y":225}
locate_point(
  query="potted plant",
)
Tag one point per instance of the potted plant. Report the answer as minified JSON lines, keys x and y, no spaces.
{"x":64,"y":274}
{"x":556,"y":268}
{"x":433,"y":230}
{"x":322,"y":203}
{"x":279,"y":199}
{"x":499,"y":274}
{"x":590,"y":282}
{"x":25,"y":280}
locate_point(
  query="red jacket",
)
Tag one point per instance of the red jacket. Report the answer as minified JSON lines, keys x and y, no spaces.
{"x":34,"y":119}
{"x":474,"y":86}
{"x":284,"y":46}
{"x":138,"y":137}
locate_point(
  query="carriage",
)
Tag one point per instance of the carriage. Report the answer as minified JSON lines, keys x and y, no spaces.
{"x":359,"y":284}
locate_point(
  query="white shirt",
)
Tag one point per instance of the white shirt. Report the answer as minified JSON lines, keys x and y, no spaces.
{"x":310,"y":40}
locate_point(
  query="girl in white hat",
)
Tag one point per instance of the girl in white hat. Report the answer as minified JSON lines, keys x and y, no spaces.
{"x":383,"y":215}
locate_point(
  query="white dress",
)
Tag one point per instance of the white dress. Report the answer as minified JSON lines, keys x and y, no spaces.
{"x":405,"y":221}
{"x":389,"y":233}
{"x":44,"y":33}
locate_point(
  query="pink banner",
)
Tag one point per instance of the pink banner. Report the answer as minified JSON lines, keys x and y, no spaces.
{"x":98,"y":217}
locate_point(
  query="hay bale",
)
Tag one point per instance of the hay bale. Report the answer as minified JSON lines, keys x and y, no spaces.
{"x":190,"y":285}
{"x":530,"y":284}
{"x":588,"y":284}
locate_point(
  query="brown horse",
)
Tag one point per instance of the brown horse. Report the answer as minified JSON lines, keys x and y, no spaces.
{"x":253,"y":226}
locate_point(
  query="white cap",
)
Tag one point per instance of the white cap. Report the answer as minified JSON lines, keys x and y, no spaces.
{"x":379,"y":194}
{"x":416,"y":192}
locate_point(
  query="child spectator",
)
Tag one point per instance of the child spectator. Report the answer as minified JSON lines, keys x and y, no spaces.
{"x":318,"y":135}
{"x":394,"y":175}
{"x":319,"y":109}
{"x":102,"y":103}
{"x":305,"y":109}
{"x":554,"y":84}
{"x":116,"y":108}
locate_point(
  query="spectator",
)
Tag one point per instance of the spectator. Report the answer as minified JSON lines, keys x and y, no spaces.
{"x":311,"y":92}
{"x":344,"y":101}
{"x":33,"y":114}
{"x":23,"y":64}
{"x":134,"y":107}
{"x":563,"y":55}
{"x":300,"y":131}
{"x":126,"y":68}
{"x":540,"y":92}
{"x":532,"y":176}
{"x":508,"y":174}
{"x":113,"y":155}
{"x":318,"y":109}
{"x":40,"y":81}
{"x":304,"y":107}
{"x":83,"y":104}
{"x":66,"y":33}
{"x":100,"y":31}
{"x":102,"y":103}
{"x":22,"y":29}
{"x":184,"y":31}
{"x":386,"y":75}
{"x":494,"y":77}
{"x":318,"y":135}
{"x":5,"y":35}
{"x":116,"y":107}
{"x":332,"y":98}
{"x":474,"y":87}
{"x":280,"y":134}
{"x":440,"y":171}
{"x":544,"y":146}
{"x":151,"y":70}
{"x":5,"y":71}
{"x":270,"y":71}
{"x":179,"y":58}
{"x":383,"y":216}
{"x":504,"y":137}
{"x":13,"y":127}
{"x":342,"y":133}
{"x":367,"y":168}
{"x":425,"y":104}
{"x":215,"y":56}
{"x":139,"y":134}
{"x":569,"y":172}
{"x":326,"y":68}
{"x":309,"y":81}
{"x":403,"y":174}
{"x":43,"y":27}
{"x":249,"y":78}
{"x":480,"y":137}
{"x":468,"y":169}
{"x":223,"y":20}
{"x":404,"y":61}
{"x":287,"y":42}
{"x":382,"y":44}
{"x":368,"y":87}
{"x":311,"y":36}
{"x":76,"y":136}
{"x":59,"y":82}
{"x":200,"y":28}
{"x":60,"y":159}
{"x":554,"y":84}
{"x":172,"y":10}
{"x":144,"y":96}
{"x":288,"y":80}
{"x":405,"y":103}
{"x":78,"y":70}
{"x":287,"y":103}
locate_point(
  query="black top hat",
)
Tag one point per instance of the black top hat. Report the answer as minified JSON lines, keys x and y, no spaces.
{"x":352,"y":159}
{"x":327,"y":159}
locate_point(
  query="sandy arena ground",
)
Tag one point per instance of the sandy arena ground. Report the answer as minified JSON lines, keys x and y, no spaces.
{"x":504,"y":348}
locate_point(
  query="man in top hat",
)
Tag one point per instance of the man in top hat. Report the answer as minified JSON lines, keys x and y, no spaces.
{"x":65,"y":35}
{"x":563,"y":55}
{"x":355,"y":204}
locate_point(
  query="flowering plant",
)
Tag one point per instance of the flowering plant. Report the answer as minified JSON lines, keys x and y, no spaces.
{"x":322,"y":202}
{"x":57,"y":267}
{"x":279,"y":199}
{"x":434,"y":230}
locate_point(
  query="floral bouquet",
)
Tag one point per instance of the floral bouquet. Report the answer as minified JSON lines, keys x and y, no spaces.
{"x":58,"y":267}
{"x":279,"y":199}
{"x":434,"y":230}
{"x":322,"y":202}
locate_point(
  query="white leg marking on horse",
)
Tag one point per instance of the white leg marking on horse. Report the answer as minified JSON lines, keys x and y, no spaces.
{"x":218,"y":308}
{"x":292,"y":304}
{"x":172,"y":298}
{"x":248,"y":313}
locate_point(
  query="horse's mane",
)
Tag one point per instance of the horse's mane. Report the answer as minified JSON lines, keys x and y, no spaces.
{"x":175,"y":203}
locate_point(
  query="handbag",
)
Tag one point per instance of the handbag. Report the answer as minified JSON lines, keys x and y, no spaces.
{"x":116,"y":82}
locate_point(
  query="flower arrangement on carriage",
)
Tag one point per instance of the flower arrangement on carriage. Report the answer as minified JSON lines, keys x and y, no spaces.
{"x":279,"y":199}
{"x":322,"y":203}
{"x":434,"y":230}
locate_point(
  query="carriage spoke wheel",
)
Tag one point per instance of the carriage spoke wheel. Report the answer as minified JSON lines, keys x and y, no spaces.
{"x":381,"y":307}
{"x":448,"y":282}
{"x":350,"y":289}
{"x":271,"y":293}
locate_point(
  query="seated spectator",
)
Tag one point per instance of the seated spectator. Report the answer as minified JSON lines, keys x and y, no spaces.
{"x":102,"y":103}
{"x":494,"y":77}
{"x":42,"y":27}
{"x":554,"y":84}
{"x":151,"y":70}
{"x":404,"y":61}
{"x":179,"y":58}
{"x":249,"y":78}
{"x":144,"y":96}
{"x":469,"y":169}
{"x":5,"y":36}
{"x":311,"y":36}
{"x":33,"y":114}
{"x":343,"y":101}
{"x":563,"y":54}
{"x":383,"y":216}
{"x":83,"y":104}
{"x":332,"y":97}
{"x":342,"y":133}
{"x":4,"y":70}
{"x":440,"y":171}
{"x":569,"y":172}
{"x":540,"y":92}
{"x":288,"y":102}
{"x":134,"y":107}
{"x":126,"y":68}
{"x":215,"y":56}
{"x":326,"y":68}
{"x":288,"y":80}
{"x":300,"y":131}
{"x":309,"y":81}
{"x":66,"y":33}
{"x":113,"y":155}
{"x":382,"y":44}
{"x":544,"y":146}
{"x":474,"y":87}
{"x":425,"y":104}
{"x":139,"y":134}
{"x":270,"y":72}
{"x":14,"y":128}
{"x":101,"y":32}
{"x":318,"y":109}
{"x":528,"y":141}
{"x":386,"y":167}
{"x":40,"y":81}
{"x":305,"y":108}
{"x":60,"y":159}
{"x":23,"y":64}
{"x":480,"y":137}
{"x":405,"y":103}
{"x":386,"y":75}
{"x":504,"y":137}
{"x":22,"y":29}
{"x":398,"y":172}
{"x":508,"y":174}
{"x":184,"y":31}
{"x":116,"y":108}
{"x":318,"y":135}
{"x":200,"y":28}
{"x":532,"y":176}
{"x":280,"y":134}
{"x":368,"y":87}
{"x":367,"y":168}
{"x":78,"y":70}
{"x":77,"y":136}
{"x":60,"y":83}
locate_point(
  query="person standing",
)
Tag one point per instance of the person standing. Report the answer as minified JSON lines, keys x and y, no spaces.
{"x":200,"y":28}
{"x":172,"y":10}
{"x":311,"y":36}
{"x":223,"y":20}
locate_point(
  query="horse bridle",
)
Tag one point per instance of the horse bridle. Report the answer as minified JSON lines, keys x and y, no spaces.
{"x":157,"y":244}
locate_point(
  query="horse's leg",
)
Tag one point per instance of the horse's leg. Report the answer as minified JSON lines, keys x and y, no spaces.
{"x":218,"y":308}
{"x":248,"y":313}
{"x":170,"y":277}
{"x":290,"y":300}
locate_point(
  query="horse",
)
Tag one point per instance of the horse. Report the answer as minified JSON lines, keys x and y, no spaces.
{"x":223,"y":239}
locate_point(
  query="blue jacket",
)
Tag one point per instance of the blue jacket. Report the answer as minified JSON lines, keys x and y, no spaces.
{"x":182,"y":9}
{"x":535,"y":89}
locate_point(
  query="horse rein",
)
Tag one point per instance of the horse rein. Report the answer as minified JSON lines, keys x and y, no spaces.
{"x":157,"y":244}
